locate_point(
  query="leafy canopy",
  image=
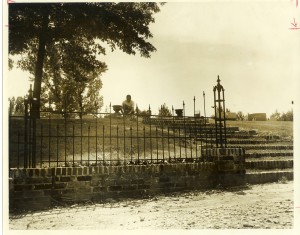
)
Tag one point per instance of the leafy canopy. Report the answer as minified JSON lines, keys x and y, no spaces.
{"x":70,"y":34}
{"x":123,"y":25}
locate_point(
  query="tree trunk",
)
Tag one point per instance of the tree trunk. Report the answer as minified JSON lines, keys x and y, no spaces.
{"x":39,"y":65}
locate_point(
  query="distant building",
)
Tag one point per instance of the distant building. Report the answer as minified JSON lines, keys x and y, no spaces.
{"x":257,"y":117}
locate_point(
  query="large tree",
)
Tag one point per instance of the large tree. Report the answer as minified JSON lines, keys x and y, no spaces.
{"x":71,"y":79}
{"x":122,"y":25}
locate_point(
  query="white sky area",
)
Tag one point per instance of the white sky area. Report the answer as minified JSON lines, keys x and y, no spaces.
{"x":248,"y":44}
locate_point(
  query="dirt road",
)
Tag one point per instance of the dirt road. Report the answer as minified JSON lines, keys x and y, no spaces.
{"x":258,"y":206}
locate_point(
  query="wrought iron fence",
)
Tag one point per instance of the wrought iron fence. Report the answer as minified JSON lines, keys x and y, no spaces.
{"x":63,"y":139}
{"x":77,"y":138}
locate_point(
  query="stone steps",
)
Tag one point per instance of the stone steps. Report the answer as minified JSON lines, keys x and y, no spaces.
{"x":263,"y":176}
{"x":263,"y":147}
{"x":241,"y":141}
{"x":269,"y":164}
{"x":268,"y":154}
{"x":277,"y":158}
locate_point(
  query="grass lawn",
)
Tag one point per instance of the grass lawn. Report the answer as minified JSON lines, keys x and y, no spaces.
{"x":281,"y":128}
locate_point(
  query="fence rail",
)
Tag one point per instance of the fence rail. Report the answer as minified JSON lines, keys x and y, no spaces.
{"x":60,"y":139}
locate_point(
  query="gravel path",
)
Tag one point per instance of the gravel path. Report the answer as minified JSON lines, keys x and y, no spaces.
{"x":256,"y":206}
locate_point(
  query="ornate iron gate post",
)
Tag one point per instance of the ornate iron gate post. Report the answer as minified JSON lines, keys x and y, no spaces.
{"x":220,"y":118}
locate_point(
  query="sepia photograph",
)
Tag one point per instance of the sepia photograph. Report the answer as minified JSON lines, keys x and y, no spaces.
{"x":151,"y":116}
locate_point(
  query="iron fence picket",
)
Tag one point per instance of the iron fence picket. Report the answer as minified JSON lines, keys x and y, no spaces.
{"x":137,"y":137}
{"x":49,"y":140}
{"x":118,"y":157}
{"x":144,"y":134}
{"x":73,"y":144}
{"x":103,"y":146}
{"x":89,"y":129}
{"x":169,"y":143}
{"x":57,"y":148}
{"x":18,"y":149}
{"x":81,"y":138}
{"x":41,"y":148}
{"x":131,"y":150}
{"x":96,"y":138}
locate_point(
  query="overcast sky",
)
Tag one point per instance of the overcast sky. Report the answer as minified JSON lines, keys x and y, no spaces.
{"x":249,"y":45}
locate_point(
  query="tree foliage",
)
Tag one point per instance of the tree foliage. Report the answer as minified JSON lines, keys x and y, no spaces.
{"x":34,"y":28}
{"x":16,"y":106}
{"x":164,"y":111}
{"x":240,"y":116}
{"x":288,"y":116}
{"x":65,"y":86}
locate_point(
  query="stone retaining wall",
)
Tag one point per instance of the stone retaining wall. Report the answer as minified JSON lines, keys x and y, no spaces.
{"x":39,"y":188}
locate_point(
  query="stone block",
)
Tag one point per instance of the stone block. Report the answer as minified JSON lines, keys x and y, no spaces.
{"x":60,"y":185}
{"x":33,"y":180}
{"x":33,"y":194}
{"x":84,"y":178}
{"x":96,"y":182}
{"x":96,"y":170}
{"x":90,"y":170}
{"x":23,"y":187}
{"x":126,"y":194}
{"x":65,"y":179}
{"x":99,"y":189}
{"x":44,"y":172}
{"x":130,"y":187}
{"x":79,"y":171}
{"x":37,"y":172}
{"x":57,"y":192}
{"x":144,"y":186}
{"x":18,"y":181}
{"x":83,"y":197}
{"x":47,"y":192}
{"x":164,"y":179}
{"x":84,"y":190}
{"x":69,"y":171}
{"x":51,"y":172}
{"x":101,"y":170}
{"x":115,"y":188}
{"x":42,"y":186}
{"x":29,"y":172}
{"x":137,"y":181}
